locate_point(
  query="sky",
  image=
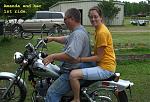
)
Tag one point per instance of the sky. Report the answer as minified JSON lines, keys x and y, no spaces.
{"x":133,"y":0}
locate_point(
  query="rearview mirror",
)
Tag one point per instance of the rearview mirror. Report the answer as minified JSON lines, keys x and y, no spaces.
{"x":43,"y":27}
{"x":42,"y":30}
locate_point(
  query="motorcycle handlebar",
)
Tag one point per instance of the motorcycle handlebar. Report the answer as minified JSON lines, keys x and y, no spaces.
{"x":40,"y":43}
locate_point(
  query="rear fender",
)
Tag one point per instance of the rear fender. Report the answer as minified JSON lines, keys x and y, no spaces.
{"x":110,"y":85}
{"x":120,"y":85}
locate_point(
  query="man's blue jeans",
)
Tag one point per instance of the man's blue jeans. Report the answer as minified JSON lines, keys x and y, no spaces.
{"x":58,"y":88}
{"x":61,"y":86}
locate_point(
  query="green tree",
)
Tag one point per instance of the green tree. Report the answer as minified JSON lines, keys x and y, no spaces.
{"x":136,"y":8}
{"x":109,"y":10}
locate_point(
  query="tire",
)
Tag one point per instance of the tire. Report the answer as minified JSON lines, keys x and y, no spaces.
{"x":16,"y":94}
{"x":26,"y":35}
{"x":16,"y":28}
{"x":122,"y":96}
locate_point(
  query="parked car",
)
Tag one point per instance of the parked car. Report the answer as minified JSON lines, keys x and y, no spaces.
{"x":52,"y":20}
{"x":139,"y":20}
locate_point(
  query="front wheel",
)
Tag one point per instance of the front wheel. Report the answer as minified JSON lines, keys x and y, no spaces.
{"x":27,"y":35}
{"x":17,"y":93}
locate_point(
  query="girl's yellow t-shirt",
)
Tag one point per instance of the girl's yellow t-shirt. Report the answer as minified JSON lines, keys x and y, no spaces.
{"x":103,"y":38}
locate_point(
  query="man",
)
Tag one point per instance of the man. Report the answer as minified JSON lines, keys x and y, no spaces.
{"x":76,"y":45}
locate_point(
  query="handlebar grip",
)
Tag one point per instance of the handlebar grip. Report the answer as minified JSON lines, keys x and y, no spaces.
{"x":46,"y":40}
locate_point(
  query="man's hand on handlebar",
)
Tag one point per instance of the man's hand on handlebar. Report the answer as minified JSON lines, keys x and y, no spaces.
{"x":48,"y":59}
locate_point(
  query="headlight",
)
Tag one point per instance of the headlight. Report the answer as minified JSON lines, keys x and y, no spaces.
{"x":18,"y":57}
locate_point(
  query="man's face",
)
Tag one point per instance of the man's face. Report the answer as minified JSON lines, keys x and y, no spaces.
{"x":68,"y":21}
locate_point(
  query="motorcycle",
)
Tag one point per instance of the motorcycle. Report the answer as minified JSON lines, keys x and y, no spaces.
{"x":13,"y":87}
{"x":16,"y":30}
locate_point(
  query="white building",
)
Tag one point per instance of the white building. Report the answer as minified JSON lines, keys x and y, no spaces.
{"x":84,"y":6}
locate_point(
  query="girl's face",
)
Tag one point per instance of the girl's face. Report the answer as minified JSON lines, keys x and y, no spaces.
{"x":95,"y":19}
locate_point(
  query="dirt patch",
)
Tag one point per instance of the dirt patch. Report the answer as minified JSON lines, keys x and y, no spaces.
{"x":133,"y":57}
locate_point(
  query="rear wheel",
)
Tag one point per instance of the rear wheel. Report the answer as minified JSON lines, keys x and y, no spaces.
{"x":106,"y":95}
{"x":122,"y":96}
{"x":17,"y":93}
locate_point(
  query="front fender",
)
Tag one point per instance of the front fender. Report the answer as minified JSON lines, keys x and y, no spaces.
{"x":12,"y":76}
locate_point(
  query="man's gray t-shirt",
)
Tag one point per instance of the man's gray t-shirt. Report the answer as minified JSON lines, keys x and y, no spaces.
{"x":77,"y":45}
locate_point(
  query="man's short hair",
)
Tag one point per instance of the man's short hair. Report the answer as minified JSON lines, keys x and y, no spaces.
{"x":74,"y":13}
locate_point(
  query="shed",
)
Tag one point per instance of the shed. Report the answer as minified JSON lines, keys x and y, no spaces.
{"x":84,"y":6}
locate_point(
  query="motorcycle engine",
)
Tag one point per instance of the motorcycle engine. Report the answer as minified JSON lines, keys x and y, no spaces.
{"x":42,"y":87}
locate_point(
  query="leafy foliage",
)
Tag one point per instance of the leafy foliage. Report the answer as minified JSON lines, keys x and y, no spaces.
{"x":109,"y":10}
{"x":136,"y":8}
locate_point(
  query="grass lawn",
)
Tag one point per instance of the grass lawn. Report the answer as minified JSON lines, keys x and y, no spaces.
{"x":137,"y":72}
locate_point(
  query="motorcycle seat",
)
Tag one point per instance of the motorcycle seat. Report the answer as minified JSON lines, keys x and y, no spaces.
{"x":114,"y":77}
